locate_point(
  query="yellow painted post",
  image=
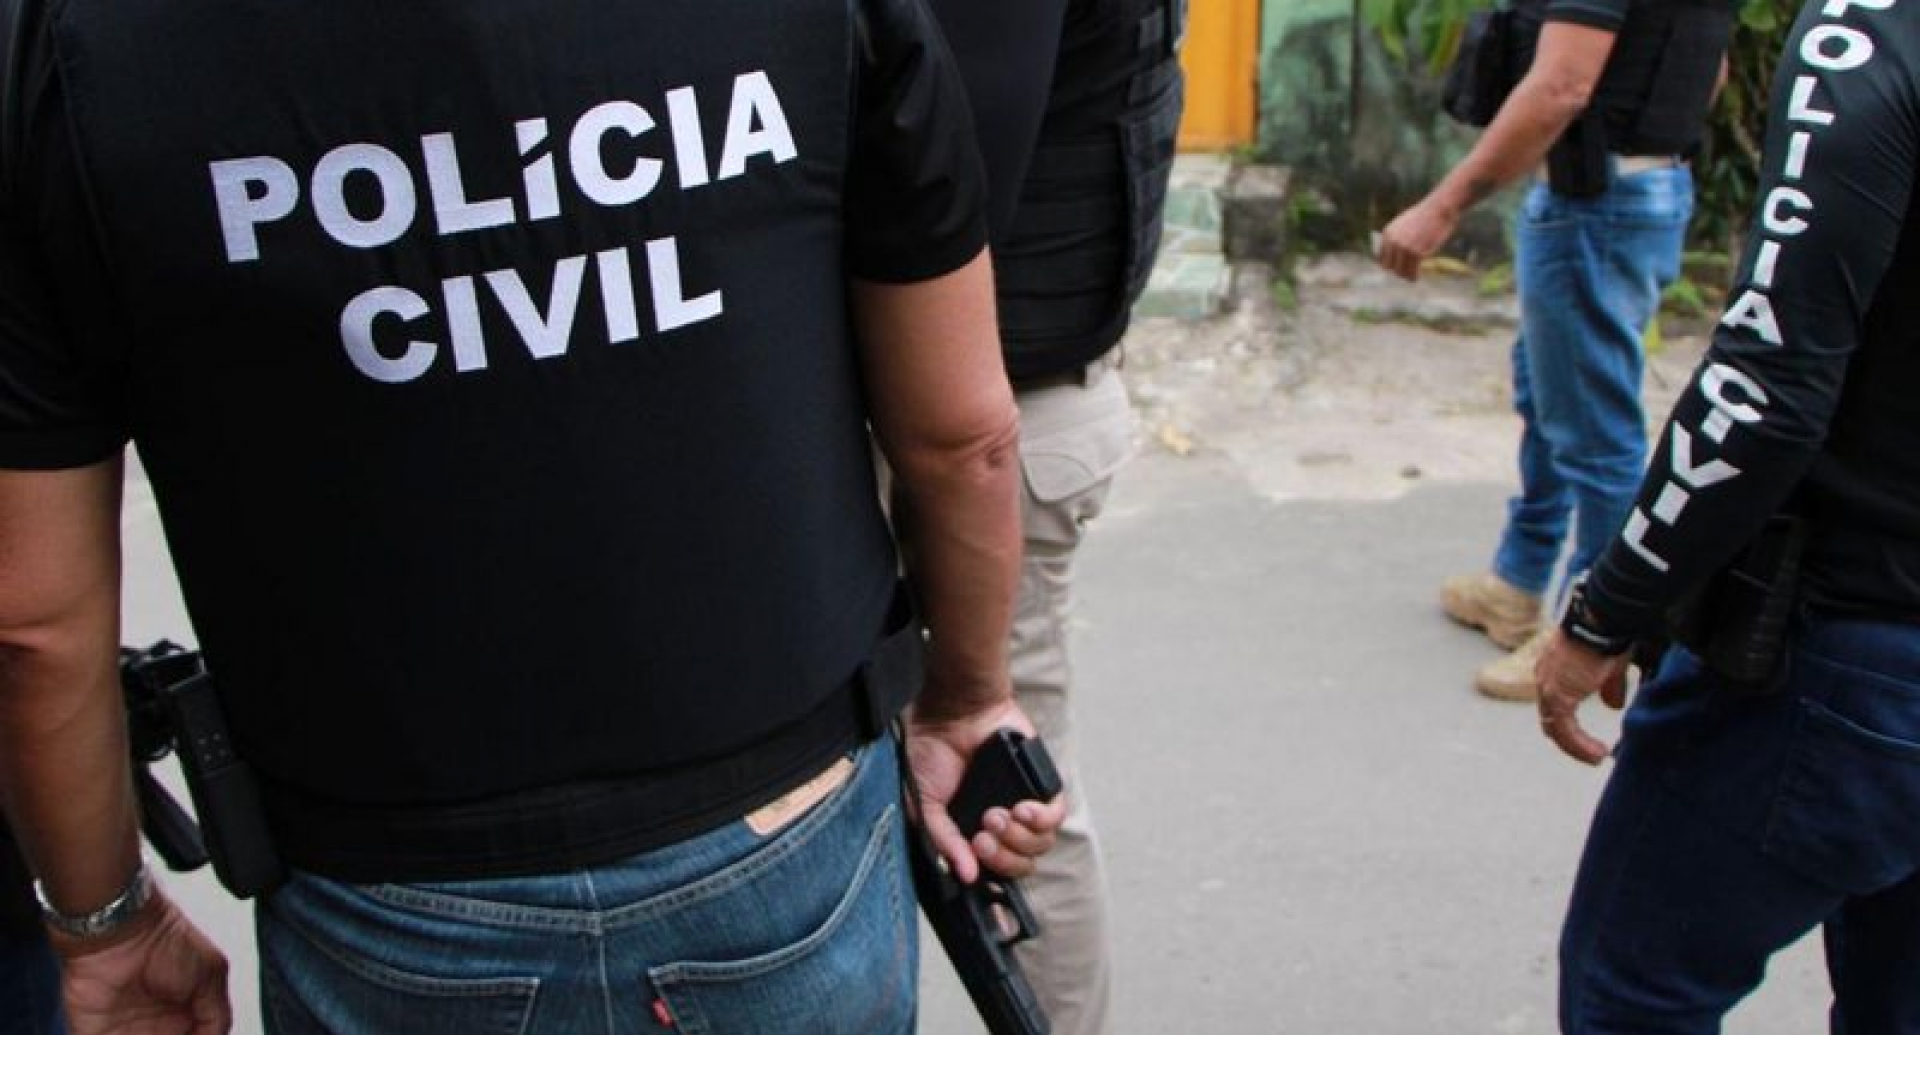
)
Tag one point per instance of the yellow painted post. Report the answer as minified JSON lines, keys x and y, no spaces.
{"x":1221,"y":59}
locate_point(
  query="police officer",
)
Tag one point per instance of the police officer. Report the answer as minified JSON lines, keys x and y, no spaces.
{"x":493,"y":369}
{"x":1078,"y":105}
{"x":1751,"y":803}
{"x":1613,"y":97}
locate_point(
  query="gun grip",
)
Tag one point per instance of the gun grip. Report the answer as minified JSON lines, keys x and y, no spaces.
{"x":168,"y":827}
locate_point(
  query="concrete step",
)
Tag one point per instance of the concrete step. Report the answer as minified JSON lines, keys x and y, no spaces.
{"x":1191,"y":277}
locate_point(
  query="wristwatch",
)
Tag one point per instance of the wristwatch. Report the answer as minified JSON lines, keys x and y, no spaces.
{"x":117,"y":913}
{"x":1579,"y":623}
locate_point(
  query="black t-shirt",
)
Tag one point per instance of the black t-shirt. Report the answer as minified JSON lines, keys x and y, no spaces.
{"x":490,"y":361}
{"x":1812,"y":380}
{"x":1007,"y":51}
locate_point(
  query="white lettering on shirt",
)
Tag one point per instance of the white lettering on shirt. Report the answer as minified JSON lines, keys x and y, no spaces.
{"x":1736,"y":399}
{"x":365,"y":196}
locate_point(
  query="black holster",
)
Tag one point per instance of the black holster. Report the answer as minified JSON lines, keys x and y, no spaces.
{"x":1737,"y":623}
{"x":1577,"y":166}
{"x":172,"y":706}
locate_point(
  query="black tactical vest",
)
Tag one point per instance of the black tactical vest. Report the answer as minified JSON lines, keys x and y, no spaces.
{"x":1653,"y":96}
{"x":1083,"y":242}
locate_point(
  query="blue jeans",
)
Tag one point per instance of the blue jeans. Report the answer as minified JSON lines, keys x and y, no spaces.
{"x":1736,"y":822}
{"x":1590,"y":274}
{"x":810,"y":929}
{"x":30,"y":988}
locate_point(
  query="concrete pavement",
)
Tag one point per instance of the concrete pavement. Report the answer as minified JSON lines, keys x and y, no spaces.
{"x":1313,"y":823}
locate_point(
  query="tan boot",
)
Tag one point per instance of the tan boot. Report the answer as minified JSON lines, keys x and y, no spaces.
{"x":1510,"y":678}
{"x":1485,"y":602}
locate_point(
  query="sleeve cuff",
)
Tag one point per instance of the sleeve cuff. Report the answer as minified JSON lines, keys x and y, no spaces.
{"x":1596,"y":16}
{"x":1617,"y":614}
{"x":902,"y":267}
{"x":54,"y":450}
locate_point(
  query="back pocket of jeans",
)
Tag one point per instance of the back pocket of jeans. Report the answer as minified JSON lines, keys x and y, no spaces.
{"x":1847,"y":802}
{"x":309,"y":988}
{"x":850,"y":974}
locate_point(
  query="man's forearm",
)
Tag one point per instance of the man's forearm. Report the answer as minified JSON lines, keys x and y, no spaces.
{"x":945,"y":419}
{"x":1513,"y":145}
{"x":1546,"y":101}
{"x":64,"y":776}
{"x":961,"y":535}
{"x":64,"y":773}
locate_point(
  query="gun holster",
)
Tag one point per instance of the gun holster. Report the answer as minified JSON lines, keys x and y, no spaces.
{"x":1577,"y":166}
{"x":180,"y":694}
{"x":1738,"y":622}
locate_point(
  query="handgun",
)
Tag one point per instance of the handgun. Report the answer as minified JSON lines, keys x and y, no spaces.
{"x":978,"y":925}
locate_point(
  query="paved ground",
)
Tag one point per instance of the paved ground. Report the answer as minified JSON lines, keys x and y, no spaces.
{"x":1313,"y":823}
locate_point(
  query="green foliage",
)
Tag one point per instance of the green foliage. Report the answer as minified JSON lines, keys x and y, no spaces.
{"x":1355,"y":113}
{"x":1687,"y":299}
{"x":1495,"y":281}
{"x":1420,"y":33}
{"x":1285,"y":296}
{"x":1728,"y":171}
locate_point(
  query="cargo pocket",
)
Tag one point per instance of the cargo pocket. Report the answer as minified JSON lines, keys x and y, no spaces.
{"x":1069,"y":449}
{"x":852,"y":973}
{"x":1847,"y":803}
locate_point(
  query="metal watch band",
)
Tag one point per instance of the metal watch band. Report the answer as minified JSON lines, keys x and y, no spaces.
{"x":116,"y":913}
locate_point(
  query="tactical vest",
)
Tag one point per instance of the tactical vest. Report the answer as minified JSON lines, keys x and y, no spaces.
{"x":1658,"y":83}
{"x":500,"y":445}
{"x":1089,"y":222}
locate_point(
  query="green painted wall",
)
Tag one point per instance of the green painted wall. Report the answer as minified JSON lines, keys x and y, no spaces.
{"x":1371,"y":152}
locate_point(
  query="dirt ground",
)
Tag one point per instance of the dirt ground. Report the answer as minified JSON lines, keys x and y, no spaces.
{"x":1367,"y":388}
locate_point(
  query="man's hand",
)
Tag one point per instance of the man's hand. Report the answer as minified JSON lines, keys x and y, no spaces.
{"x":1567,"y":64}
{"x":1568,"y":673}
{"x":1012,"y":838}
{"x":1413,"y":237}
{"x":162,"y":977}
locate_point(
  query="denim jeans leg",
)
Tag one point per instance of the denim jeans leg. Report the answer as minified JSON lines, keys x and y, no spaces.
{"x":1590,"y":275}
{"x":1735,"y":822}
{"x":1666,"y":930}
{"x":1873,"y":961}
{"x":1676,"y":906}
{"x":1537,"y":517}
